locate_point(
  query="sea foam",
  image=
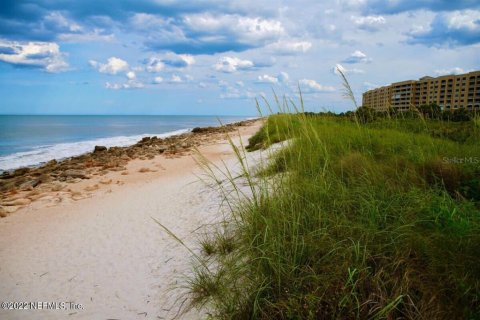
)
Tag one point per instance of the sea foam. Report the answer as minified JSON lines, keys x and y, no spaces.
{"x":42,"y":154}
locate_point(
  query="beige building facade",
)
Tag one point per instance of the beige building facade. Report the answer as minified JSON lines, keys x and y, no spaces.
{"x":450,"y":92}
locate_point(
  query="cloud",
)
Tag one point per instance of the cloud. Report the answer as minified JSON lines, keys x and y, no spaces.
{"x":369,"y":23}
{"x":43,"y":55}
{"x":158,"y":80}
{"x":131,"y":75}
{"x":178,"y":60}
{"x":46,"y":21}
{"x":345,"y":70}
{"x":455,"y":70}
{"x":158,"y":63}
{"x":130,"y":84}
{"x":283,"y":77}
{"x":289,"y":47}
{"x":398,"y":6}
{"x":154,"y":64}
{"x":357,"y":57}
{"x":204,"y":27}
{"x":267,"y":79}
{"x":206,"y":32}
{"x":176,"y":79}
{"x":232,"y":64}
{"x":114,"y":65}
{"x":312,"y":86}
{"x":451,"y":29}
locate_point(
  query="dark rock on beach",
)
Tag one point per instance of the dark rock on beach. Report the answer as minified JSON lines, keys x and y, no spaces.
{"x":99,"y":149}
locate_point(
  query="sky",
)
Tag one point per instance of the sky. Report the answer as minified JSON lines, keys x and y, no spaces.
{"x":216,"y":57}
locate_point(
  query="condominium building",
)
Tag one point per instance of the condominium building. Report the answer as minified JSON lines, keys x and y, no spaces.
{"x":449,"y":92}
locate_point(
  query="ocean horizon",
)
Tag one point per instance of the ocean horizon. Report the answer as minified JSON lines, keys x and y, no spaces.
{"x":31,"y":140}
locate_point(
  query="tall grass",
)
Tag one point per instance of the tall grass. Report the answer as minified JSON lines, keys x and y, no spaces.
{"x":348,"y":221}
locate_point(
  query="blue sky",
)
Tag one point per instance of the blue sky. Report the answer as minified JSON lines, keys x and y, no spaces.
{"x":216,"y":57}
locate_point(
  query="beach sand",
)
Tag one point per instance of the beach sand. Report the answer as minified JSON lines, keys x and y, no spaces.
{"x":103,"y":251}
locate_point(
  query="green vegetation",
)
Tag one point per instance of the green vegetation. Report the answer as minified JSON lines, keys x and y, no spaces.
{"x":351,"y":220}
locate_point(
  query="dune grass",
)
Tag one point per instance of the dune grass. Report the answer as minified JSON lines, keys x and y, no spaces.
{"x":349,"y":221}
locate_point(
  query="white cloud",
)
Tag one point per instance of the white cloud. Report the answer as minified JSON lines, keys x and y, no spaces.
{"x":176,"y":79}
{"x":457,"y":28}
{"x":61,"y":23}
{"x":290,"y":47}
{"x":282,"y":78}
{"x":369,"y":23}
{"x":95,"y":35}
{"x":45,"y":55}
{"x":158,"y":79}
{"x":232,"y":64}
{"x":455,"y":70}
{"x":467,"y":19}
{"x":244,"y":29}
{"x":357,"y":57}
{"x":154,"y":64}
{"x":267,"y":79}
{"x":346,"y":70}
{"x":158,"y":63}
{"x":114,"y":65}
{"x":130,"y":84}
{"x":178,"y":60}
{"x":310,"y":86}
{"x":131,"y":75}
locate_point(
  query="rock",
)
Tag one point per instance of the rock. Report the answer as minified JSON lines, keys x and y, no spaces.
{"x":185,"y":145}
{"x":51,"y":163}
{"x":162,"y":148}
{"x":11,"y":209}
{"x":145,"y":139}
{"x":20,"y":172}
{"x":18,"y":202}
{"x":197,"y":130}
{"x":29,"y":185}
{"x":99,"y":149}
{"x":75,"y":173}
{"x":3,"y":212}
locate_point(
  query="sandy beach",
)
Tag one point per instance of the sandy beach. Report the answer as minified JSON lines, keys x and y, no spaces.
{"x":96,"y":245}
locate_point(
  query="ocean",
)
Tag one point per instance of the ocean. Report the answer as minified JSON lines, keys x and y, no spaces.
{"x":32,"y":140}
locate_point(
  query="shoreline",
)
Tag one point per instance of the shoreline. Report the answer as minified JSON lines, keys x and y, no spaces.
{"x":108,"y":141}
{"x":21,"y":187}
{"x":95,"y":243}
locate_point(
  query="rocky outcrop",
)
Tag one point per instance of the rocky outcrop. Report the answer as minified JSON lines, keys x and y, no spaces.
{"x":74,"y":173}
{"x":99,"y":149}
